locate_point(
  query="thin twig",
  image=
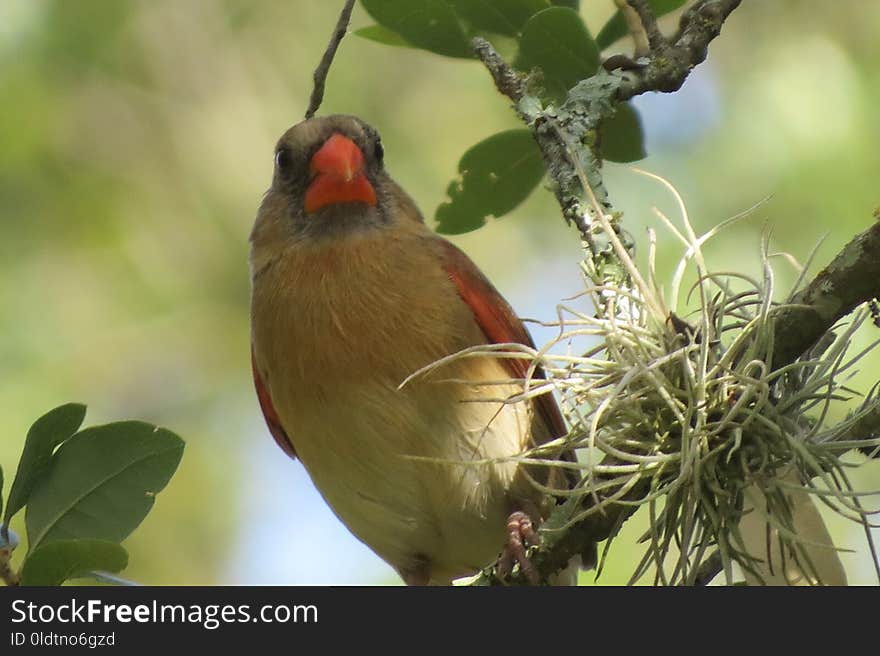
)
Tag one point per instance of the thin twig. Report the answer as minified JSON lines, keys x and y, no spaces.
{"x":546,"y":131}
{"x":112,"y":579}
{"x":7,"y":546}
{"x":507,"y":80}
{"x":320,"y":75}
{"x":643,"y":26}
{"x":641,"y":46}
{"x":9,"y":577}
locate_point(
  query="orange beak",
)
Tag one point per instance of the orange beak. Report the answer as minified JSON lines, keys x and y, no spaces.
{"x":338,"y":170}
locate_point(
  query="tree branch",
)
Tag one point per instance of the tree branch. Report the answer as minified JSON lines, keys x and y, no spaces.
{"x":553,"y":140}
{"x":320,"y":74}
{"x":852,"y":278}
{"x":595,"y":99}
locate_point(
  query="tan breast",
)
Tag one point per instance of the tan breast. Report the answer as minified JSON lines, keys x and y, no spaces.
{"x":370,"y":305}
{"x":336,"y":329}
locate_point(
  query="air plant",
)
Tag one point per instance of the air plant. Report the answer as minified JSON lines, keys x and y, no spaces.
{"x":676,"y":406}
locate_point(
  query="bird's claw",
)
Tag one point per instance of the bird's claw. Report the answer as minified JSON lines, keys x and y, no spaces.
{"x":520,"y":534}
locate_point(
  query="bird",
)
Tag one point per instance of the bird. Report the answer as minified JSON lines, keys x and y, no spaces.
{"x":351,"y":294}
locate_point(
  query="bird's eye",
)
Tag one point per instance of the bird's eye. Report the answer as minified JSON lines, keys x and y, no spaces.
{"x":379,"y":152}
{"x":282,"y":159}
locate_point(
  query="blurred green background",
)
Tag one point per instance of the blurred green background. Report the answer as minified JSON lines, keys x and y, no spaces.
{"x":136,"y":139}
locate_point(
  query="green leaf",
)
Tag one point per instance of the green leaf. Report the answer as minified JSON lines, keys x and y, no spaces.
{"x":571,"y":4}
{"x":557,"y":41}
{"x":499,"y":16}
{"x":497,"y":174}
{"x":622,"y":136}
{"x":383,"y":35}
{"x":616,"y":27}
{"x":427,"y":24}
{"x":102,"y":483}
{"x":55,"y":562}
{"x":46,"y":434}
{"x":1,"y":492}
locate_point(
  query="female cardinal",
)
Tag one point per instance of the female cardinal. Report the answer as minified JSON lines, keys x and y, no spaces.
{"x":352,"y":294}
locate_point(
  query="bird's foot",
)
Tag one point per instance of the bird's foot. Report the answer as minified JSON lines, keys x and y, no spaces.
{"x":520,"y":534}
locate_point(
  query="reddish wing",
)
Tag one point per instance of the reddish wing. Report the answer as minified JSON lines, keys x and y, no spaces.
{"x":272,"y":419}
{"x":499,"y":324}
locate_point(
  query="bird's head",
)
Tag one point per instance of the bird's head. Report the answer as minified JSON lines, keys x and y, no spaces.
{"x":329,"y":187}
{"x":329,"y":179}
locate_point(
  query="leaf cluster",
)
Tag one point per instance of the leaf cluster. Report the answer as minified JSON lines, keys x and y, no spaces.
{"x":83,"y":492}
